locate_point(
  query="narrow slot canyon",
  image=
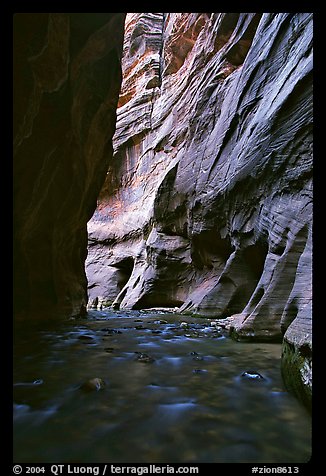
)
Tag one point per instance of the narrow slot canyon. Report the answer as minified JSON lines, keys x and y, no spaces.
{"x":162,"y":237}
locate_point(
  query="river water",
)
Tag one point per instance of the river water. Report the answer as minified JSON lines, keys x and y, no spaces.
{"x":165,"y":393}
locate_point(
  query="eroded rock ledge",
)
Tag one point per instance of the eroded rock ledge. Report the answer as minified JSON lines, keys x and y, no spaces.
{"x":207,"y":204}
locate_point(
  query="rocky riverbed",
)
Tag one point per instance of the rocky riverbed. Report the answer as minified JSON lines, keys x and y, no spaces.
{"x":155,"y":387}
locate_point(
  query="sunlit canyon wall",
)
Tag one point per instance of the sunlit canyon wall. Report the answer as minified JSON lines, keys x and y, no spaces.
{"x":207,"y":203}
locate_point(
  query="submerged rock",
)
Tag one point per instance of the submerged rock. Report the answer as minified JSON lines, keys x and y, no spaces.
{"x":29,"y":384}
{"x":94,"y":384}
{"x":85,"y":337}
{"x":144,"y":358}
{"x":252,"y":376}
{"x":216,"y":335}
{"x":216,"y":325}
{"x":193,"y":335}
{"x":111,"y":332}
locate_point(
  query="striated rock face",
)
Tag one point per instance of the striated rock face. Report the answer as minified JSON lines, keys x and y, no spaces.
{"x":207,"y":204}
{"x":67,"y":77}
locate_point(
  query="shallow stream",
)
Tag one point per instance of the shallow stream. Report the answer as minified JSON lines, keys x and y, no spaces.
{"x":133,"y":387}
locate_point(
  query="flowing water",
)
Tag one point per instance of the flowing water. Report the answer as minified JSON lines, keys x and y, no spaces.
{"x":166,"y":393}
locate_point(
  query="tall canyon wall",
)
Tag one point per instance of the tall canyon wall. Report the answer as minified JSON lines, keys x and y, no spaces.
{"x":207,"y":204}
{"x":67,"y":77}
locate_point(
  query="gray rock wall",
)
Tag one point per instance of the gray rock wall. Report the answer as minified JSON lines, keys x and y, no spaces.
{"x":207,"y":204}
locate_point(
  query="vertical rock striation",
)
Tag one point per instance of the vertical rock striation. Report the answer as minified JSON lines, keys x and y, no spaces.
{"x":67,"y":77}
{"x":207,"y":204}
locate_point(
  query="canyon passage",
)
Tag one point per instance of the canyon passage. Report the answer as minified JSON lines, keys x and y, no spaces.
{"x":163,"y":189}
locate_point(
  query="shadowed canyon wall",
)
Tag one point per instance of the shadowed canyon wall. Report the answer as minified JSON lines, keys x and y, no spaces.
{"x":207,"y":204}
{"x":67,"y":77}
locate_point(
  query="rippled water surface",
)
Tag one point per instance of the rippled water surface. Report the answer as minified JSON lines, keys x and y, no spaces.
{"x":166,"y":393}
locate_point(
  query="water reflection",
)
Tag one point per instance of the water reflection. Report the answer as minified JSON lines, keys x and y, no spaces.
{"x":189,"y":401}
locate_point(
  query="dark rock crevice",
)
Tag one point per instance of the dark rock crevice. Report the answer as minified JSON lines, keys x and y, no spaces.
{"x":208,"y":248}
{"x":125,"y":267}
{"x":238,"y":51}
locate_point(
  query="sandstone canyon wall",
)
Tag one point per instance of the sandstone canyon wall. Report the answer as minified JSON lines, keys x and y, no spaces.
{"x":207,"y":204}
{"x":67,"y":77}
